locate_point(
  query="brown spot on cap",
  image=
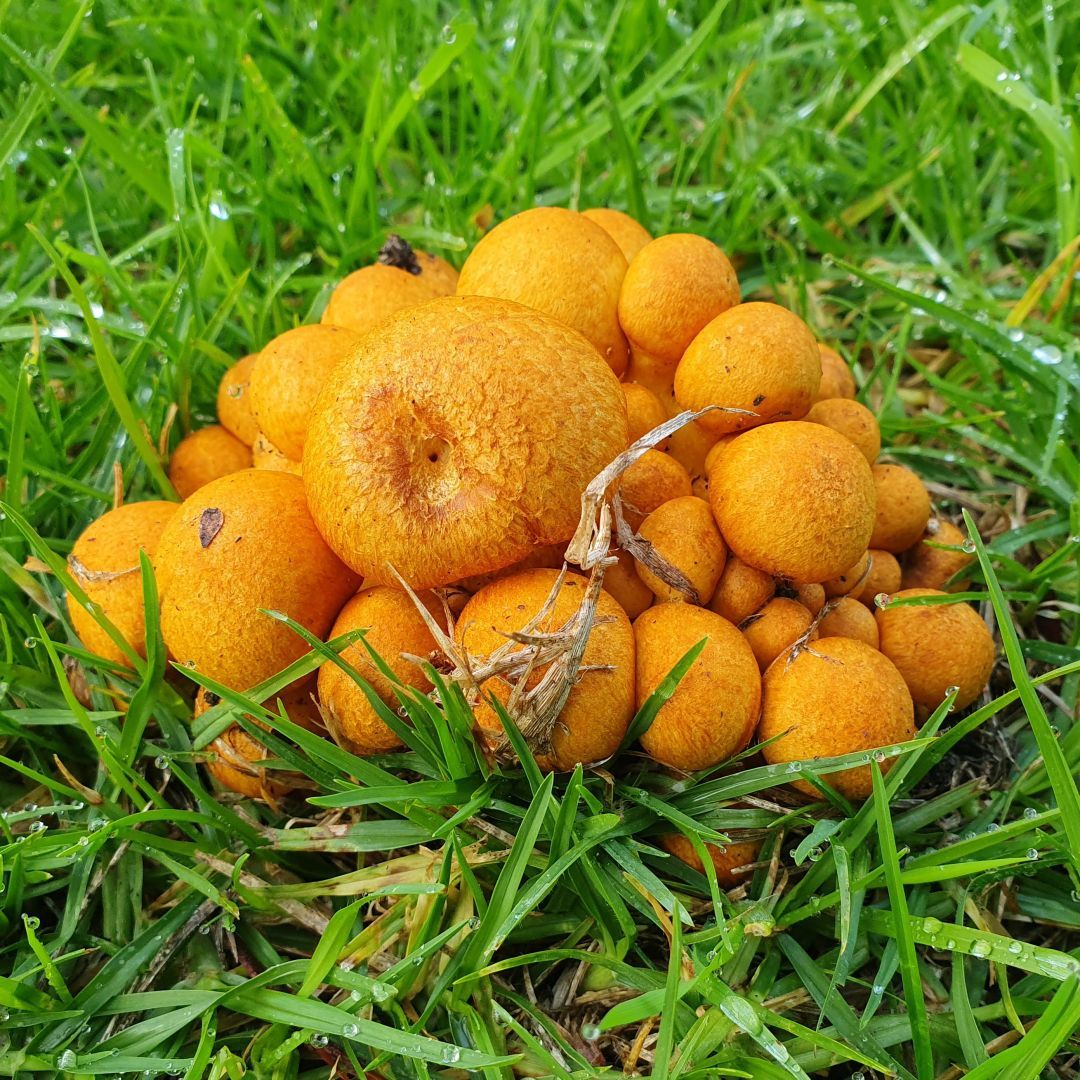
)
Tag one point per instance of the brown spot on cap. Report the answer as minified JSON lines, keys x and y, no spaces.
{"x":759,"y":399}
{"x":210,"y":522}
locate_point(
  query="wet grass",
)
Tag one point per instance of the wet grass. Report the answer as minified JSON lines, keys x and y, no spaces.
{"x":178,"y":183}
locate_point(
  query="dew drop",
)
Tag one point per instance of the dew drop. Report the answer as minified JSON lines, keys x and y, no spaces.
{"x":981,"y":949}
{"x":931,"y":925}
{"x":319,"y":1040}
{"x":968,"y":546}
{"x":350,"y":1031}
{"x":474,"y":923}
{"x":67,"y":1060}
{"x":878,"y":755}
{"x":1015,"y":334}
{"x":993,"y":827}
{"x":590,"y":1032}
{"x":161,"y":762}
{"x":1032,"y":853}
{"x":1015,"y":948}
{"x":882,"y":600}
{"x":449,"y":34}
{"x":1047,"y":354}
{"x":1030,"y":813}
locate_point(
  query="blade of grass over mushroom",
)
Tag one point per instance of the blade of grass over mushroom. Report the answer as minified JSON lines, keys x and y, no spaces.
{"x":1061,"y":775}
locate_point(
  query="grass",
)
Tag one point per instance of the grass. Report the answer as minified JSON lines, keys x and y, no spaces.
{"x":180,"y":182}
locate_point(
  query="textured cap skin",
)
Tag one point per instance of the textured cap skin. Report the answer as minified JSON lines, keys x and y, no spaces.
{"x":853,"y":420}
{"x":459,"y":436}
{"x":674,"y":287}
{"x":111,"y":545}
{"x":742,"y":591}
{"x":775,"y":628}
{"x":234,"y":401}
{"x":850,"y":618}
{"x":884,"y":576}
{"x":836,"y":378}
{"x":840,"y":697}
{"x":902,"y":508}
{"x":240,"y":544}
{"x":927,"y":567}
{"x":559,"y":262}
{"x":630,"y":235}
{"x":370,"y":295}
{"x":937,"y":646}
{"x":714,"y":710}
{"x":287,"y":377}
{"x":758,"y":357}
{"x":394,"y":627}
{"x":683,"y":533}
{"x":795,"y":500}
{"x":601,"y":704}
{"x":205,"y":455}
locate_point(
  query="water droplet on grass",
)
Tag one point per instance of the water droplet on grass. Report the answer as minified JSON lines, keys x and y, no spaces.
{"x":981,"y":949}
{"x":350,"y":1031}
{"x":319,"y":1040}
{"x":590,"y":1032}
{"x":1047,"y":354}
{"x":1030,"y":813}
{"x":1032,"y":853}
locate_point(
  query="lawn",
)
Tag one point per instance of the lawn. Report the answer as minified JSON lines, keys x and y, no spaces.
{"x":181,"y":182}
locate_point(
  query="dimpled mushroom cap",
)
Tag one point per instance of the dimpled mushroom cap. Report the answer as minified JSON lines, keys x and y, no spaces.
{"x":238,"y":546}
{"x":839,"y":697}
{"x":683,"y":533}
{"x":902,"y":508}
{"x":461,"y":435}
{"x":652,"y":480}
{"x":622,"y":582}
{"x":287,"y":378}
{"x":731,"y":862}
{"x":928,"y":567}
{"x":758,"y":357}
{"x":674,"y":287}
{"x":714,"y":710}
{"x":105,"y":562}
{"x":622,"y":228}
{"x":742,"y":591}
{"x":234,"y":401}
{"x":401,"y":279}
{"x":559,"y":262}
{"x":937,"y":646}
{"x":205,"y":455}
{"x":853,"y":420}
{"x":601,"y":704}
{"x":644,"y":411}
{"x":265,"y":455}
{"x":884,"y":576}
{"x":394,"y":627}
{"x":775,"y":628}
{"x":795,"y":500}
{"x":846,"y":617}
{"x":836,"y":378}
